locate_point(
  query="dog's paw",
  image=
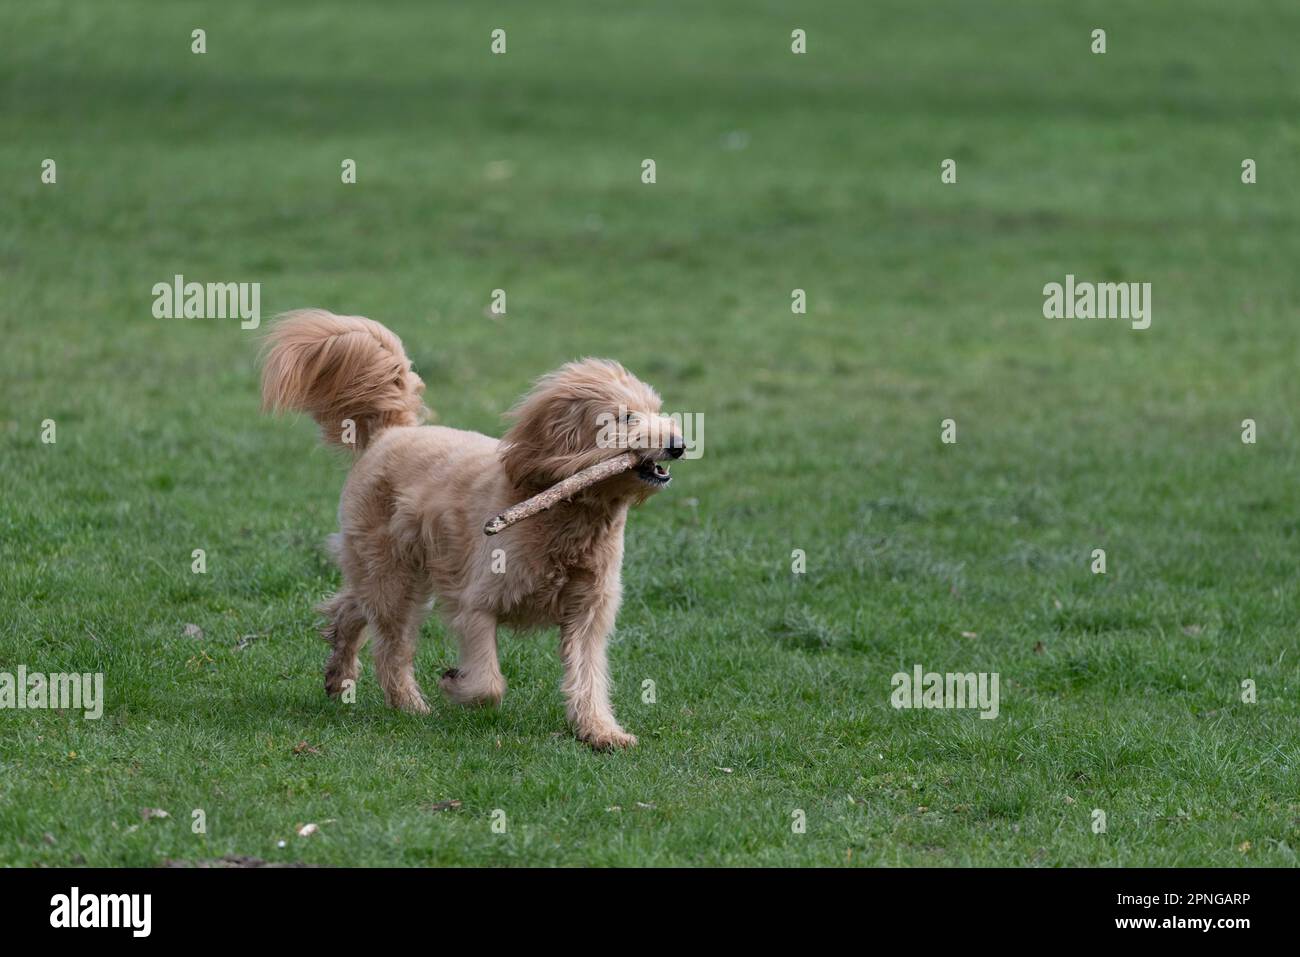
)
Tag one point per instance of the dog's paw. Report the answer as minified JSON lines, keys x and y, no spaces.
{"x":459,"y":690}
{"x":336,"y":681}
{"x":409,"y":700}
{"x":608,"y":739}
{"x":413,"y":704}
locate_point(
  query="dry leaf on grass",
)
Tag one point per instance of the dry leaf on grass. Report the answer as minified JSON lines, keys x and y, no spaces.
{"x":452,"y":805}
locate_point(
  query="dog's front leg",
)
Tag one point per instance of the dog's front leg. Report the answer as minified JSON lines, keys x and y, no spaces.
{"x":586,"y":676}
{"x":477,"y":679}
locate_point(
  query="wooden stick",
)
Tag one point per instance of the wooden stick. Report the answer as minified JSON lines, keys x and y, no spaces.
{"x":560,"y":491}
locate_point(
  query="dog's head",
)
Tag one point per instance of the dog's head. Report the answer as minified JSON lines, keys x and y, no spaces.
{"x":581,"y":414}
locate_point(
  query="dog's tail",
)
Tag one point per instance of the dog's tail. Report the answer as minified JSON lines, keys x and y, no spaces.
{"x":348,"y":372}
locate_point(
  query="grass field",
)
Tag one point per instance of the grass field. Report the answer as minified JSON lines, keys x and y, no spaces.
{"x":1119,"y":692}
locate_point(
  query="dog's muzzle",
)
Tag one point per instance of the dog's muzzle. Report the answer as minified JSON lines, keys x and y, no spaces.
{"x":653,"y":471}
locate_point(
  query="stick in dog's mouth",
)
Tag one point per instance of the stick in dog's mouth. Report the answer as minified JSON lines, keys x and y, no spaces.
{"x":646,"y":470}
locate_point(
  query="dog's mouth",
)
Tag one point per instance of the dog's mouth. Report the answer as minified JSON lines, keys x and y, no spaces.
{"x":653,"y":473}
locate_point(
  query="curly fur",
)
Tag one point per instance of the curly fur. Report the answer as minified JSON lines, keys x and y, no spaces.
{"x":412,"y":511}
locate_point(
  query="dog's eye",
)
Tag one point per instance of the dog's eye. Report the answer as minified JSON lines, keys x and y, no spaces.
{"x":627,"y":418}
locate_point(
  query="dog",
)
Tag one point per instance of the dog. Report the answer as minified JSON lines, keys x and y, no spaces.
{"x":412,"y":510}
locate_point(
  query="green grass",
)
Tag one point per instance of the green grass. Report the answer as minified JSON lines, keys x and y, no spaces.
{"x":1119,"y":692}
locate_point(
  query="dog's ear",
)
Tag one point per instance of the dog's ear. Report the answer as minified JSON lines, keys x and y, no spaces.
{"x":545,"y":435}
{"x":519,"y":461}
{"x":555,"y":427}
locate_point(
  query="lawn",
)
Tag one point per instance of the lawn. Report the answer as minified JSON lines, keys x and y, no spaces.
{"x":1120,"y":692}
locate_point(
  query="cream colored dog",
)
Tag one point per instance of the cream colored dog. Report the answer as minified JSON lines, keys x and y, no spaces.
{"x":412,"y":511}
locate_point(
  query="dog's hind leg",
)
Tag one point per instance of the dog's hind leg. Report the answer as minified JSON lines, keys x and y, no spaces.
{"x":395,"y":627}
{"x":477,"y":679}
{"x":345,"y":630}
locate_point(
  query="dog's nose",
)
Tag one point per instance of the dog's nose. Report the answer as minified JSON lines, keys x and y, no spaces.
{"x":676,"y":447}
